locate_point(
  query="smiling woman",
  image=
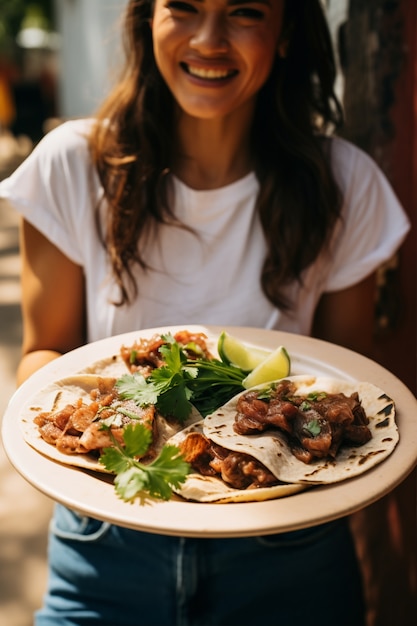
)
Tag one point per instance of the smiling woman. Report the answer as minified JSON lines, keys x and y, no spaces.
{"x":215,"y":55}
{"x":206,"y":189}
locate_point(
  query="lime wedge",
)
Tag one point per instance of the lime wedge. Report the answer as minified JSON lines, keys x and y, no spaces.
{"x":276,"y":365}
{"x":233,"y":352}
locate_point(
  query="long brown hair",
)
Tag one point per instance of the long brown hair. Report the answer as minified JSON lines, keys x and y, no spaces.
{"x":299,"y":201}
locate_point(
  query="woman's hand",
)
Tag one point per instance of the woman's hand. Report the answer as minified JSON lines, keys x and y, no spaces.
{"x":53,"y":302}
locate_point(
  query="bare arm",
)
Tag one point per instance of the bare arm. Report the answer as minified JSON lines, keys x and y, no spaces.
{"x":347,"y":317}
{"x":53,"y":303}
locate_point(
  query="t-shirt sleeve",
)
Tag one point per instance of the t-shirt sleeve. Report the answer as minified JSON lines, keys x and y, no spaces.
{"x":51,"y":189}
{"x":373,"y":224}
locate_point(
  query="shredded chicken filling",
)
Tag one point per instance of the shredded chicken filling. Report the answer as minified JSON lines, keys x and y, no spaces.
{"x":78,"y":428}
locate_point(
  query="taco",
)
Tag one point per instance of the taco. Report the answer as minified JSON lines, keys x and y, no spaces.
{"x":277,"y":439}
{"x":307,"y":429}
{"x":237,"y":453}
{"x":64,"y":422}
{"x":222,"y":475}
{"x":144,"y":354}
{"x":74,"y":419}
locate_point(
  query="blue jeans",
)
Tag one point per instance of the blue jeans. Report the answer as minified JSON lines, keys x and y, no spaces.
{"x":104,"y":575}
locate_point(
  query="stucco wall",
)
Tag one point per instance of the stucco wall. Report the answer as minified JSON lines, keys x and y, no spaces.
{"x":90,"y":32}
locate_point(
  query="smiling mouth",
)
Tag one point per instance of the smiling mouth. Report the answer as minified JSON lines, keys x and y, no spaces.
{"x":208,"y":73}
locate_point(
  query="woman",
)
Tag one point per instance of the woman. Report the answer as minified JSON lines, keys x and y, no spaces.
{"x":206,"y":191}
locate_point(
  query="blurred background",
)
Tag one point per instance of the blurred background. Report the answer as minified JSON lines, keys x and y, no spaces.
{"x":58,"y":59}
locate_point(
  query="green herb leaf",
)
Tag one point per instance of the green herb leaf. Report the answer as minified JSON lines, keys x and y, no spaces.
{"x":130,"y":414}
{"x":137,"y":439}
{"x":135,"y":387}
{"x":312,"y":427}
{"x":173,"y":356}
{"x":157,"y":479}
{"x":112,"y":420}
{"x":183,"y":383}
{"x":114,"y":460}
{"x":266,"y":393}
{"x":170,"y":382}
{"x":193,"y":348}
{"x":168,"y":470}
{"x":130,"y":483}
{"x":316,"y":396}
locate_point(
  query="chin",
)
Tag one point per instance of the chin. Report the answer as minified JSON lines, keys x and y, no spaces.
{"x":205,"y":111}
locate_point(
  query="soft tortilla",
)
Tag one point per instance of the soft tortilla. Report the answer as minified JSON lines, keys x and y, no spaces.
{"x":68,"y":391}
{"x":110,"y":367}
{"x":272,"y":450}
{"x":210,"y":489}
{"x":270,"y":447}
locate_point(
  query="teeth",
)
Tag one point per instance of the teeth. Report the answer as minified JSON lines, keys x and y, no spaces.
{"x":208,"y":73}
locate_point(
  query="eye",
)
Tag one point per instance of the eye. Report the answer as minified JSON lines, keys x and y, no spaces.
{"x":249,"y":13}
{"x":181,"y":7}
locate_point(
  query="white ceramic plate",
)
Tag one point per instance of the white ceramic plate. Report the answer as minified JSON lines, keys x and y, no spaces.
{"x":93,"y":494}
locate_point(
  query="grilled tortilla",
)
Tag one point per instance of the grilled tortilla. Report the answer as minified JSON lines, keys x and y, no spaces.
{"x":273,"y":450}
{"x":270,"y":448}
{"x":75,"y":391}
{"x":202,"y":488}
{"x":70,"y":392}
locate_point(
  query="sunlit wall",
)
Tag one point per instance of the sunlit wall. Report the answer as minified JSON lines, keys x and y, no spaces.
{"x":89,"y":54}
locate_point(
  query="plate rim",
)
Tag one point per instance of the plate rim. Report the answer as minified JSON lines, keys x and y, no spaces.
{"x":89,"y":495}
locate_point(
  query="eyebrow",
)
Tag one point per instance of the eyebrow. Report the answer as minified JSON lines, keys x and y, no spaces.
{"x":235,"y":2}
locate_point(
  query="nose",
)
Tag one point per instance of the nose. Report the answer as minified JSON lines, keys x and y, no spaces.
{"x":210,"y":36}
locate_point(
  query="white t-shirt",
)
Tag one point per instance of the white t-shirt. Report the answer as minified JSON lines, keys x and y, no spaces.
{"x":212,"y":278}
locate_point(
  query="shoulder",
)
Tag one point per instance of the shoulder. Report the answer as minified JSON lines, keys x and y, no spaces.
{"x":60,"y":159}
{"x":56,"y":187}
{"x":343,"y":149}
{"x":58,"y":170}
{"x":73,"y":130}
{"x":373,"y":223}
{"x":357,"y":174}
{"x":67,"y":138}
{"x":350,"y":163}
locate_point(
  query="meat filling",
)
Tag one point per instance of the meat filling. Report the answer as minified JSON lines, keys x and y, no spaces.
{"x":315,"y":425}
{"x":145,"y":355}
{"x":89,"y":427}
{"x":239,"y":470}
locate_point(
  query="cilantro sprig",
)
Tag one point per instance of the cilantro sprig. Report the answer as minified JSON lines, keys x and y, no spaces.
{"x":174,"y":388}
{"x":169,"y":470}
{"x":183,"y":383}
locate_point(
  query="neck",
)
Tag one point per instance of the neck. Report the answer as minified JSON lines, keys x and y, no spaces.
{"x":212,"y":153}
